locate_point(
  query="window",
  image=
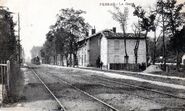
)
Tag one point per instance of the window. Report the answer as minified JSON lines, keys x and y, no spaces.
{"x":98,"y":42}
{"x":116,"y":44}
{"x":85,"y":58}
{"x":116,"y":59}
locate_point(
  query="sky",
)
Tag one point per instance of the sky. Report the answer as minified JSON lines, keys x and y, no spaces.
{"x":36,"y":16}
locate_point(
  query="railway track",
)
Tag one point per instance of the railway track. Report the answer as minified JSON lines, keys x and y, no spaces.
{"x":62,"y":107}
{"x":53,"y":95}
{"x":135,"y":86}
{"x":107,"y":83}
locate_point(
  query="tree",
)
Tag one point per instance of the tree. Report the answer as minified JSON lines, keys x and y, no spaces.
{"x":137,"y":33}
{"x":76,"y":27}
{"x":156,"y":39}
{"x":122,"y":17}
{"x":65,"y":33}
{"x":7,"y":36}
{"x":146,"y":23}
{"x":160,"y":10}
{"x":47,"y":51}
{"x":170,"y":10}
{"x":177,"y":45}
{"x":61,"y":43}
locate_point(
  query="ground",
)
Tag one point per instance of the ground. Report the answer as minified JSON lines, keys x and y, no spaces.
{"x":34,"y":97}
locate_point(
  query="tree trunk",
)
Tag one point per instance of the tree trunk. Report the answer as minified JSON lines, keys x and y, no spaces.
{"x":178,"y":61}
{"x":67,"y":62}
{"x":62,"y":59}
{"x":154,"y":53}
{"x":70,"y":59}
{"x":55,"y":61}
{"x":126,"y":57}
{"x":136,"y":55}
{"x":136,"y":51}
{"x":146,"y":43}
{"x":71,"y":51}
{"x":164,"y":46}
{"x":75,"y":60}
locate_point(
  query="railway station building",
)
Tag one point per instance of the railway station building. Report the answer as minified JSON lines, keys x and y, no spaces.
{"x":108,"y":47}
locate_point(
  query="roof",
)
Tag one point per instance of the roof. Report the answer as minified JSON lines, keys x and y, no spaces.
{"x":112,"y":35}
{"x":109,"y":34}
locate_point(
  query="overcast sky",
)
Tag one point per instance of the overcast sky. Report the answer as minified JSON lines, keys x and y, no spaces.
{"x":37,"y":15}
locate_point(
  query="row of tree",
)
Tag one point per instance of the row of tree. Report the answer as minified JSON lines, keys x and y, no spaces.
{"x":63,"y":36}
{"x":166,"y":17}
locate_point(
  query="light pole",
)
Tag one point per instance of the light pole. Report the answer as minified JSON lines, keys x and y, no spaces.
{"x":19,"y":45}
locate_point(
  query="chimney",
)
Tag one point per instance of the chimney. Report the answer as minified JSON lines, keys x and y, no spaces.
{"x":114,"y":29}
{"x":93,"y":31}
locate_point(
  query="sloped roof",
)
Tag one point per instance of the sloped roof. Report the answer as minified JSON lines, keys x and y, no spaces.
{"x":109,"y":34}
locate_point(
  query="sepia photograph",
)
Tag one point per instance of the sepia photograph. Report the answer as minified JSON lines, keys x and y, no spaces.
{"x":92,"y":55}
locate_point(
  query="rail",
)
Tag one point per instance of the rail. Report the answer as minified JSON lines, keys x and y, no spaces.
{"x":139,"y":87}
{"x":57,"y":100}
{"x":86,"y":93}
{"x":67,"y":83}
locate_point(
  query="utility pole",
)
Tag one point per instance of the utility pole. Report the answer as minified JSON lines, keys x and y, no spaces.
{"x":19,"y":44}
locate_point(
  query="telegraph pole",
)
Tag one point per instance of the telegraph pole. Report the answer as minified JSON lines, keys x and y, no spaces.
{"x":19,"y":44}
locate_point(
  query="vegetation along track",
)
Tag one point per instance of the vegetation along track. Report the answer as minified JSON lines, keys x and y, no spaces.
{"x":135,"y":86}
{"x":76,"y":88}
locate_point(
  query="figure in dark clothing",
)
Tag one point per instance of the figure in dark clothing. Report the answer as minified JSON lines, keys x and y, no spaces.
{"x":101,"y":64}
{"x":98,"y":62}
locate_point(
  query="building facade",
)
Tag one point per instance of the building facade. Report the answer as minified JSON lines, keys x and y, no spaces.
{"x":109,"y":47}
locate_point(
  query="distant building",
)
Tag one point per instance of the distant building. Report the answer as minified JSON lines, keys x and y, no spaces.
{"x":109,"y":47}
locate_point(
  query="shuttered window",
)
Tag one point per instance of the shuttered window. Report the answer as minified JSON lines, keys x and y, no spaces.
{"x":116,"y":44}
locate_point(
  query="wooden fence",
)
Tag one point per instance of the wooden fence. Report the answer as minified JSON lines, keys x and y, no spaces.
{"x":123,"y":66}
{"x":9,"y":73}
{"x":4,"y":70}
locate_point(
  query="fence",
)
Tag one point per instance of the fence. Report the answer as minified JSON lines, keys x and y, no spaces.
{"x":9,"y":73}
{"x":4,"y":70}
{"x":123,"y":66}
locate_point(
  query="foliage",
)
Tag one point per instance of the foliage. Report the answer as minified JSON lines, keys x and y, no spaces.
{"x":172,"y":11}
{"x":7,"y":36}
{"x":64,"y":34}
{"x":72,"y":21}
{"x":174,"y":22}
{"x":178,"y":40}
{"x":137,"y":31}
{"x":146,"y":23}
{"x":122,"y":17}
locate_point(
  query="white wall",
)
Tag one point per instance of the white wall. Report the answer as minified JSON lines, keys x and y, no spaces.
{"x":103,"y":51}
{"x":83,"y":55}
{"x":117,"y":55}
{"x":142,"y":52}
